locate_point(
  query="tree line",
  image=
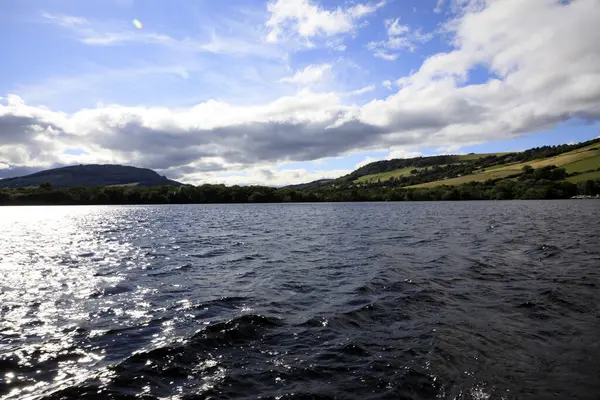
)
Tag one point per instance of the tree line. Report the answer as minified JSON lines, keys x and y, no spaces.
{"x":542,"y":183}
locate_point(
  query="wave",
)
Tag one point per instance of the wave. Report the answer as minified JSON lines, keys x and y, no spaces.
{"x":160,"y":372}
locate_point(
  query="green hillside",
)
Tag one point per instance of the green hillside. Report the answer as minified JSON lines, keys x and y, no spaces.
{"x":407,"y":171}
{"x":384,"y":176}
{"x":576,"y":161}
{"x":588,"y":176}
{"x":581,"y":162}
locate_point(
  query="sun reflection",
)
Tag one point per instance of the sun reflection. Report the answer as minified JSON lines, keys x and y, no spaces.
{"x":59,"y":267}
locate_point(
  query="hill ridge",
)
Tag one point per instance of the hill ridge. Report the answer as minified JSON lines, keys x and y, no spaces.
{"x":428,"y":171}
{"x":90,"y":175}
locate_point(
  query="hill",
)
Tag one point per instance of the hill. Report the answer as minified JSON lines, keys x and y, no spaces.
{"x":90,"y":175}
{"x":581,"y":162}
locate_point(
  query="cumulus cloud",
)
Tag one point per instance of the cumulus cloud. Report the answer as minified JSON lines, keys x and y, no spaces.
{"x":306,"y":19}
{"x":542,"y":56}
{"x":400,"y":37}
{"x":309,"y":75}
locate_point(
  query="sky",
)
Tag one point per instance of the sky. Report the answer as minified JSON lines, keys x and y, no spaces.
{"x":288,"y":91}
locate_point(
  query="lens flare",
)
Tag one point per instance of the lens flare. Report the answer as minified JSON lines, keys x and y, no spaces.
{"x":137,"y":24}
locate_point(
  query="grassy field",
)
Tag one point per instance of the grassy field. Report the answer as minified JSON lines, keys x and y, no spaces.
{"x":384,"y":176}
{"x":479,"y":177}
{"x":584,"y":177}
{"x":584,"y":165}
{"x":579,"y":160}
{"x":567,"y":159}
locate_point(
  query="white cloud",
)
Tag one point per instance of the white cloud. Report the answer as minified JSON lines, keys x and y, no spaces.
{"x":395,"y":29}
{"x":310,"y":75}
{"x":539,"y":83}
{"x":360,"y":91}
{"x":402,"y":153}
{"x":12,"y":100}
{"x":400,"y":37}
{"x":67,"y":21}
{"x":366,"y":161}
{"x":387,"y":84}
{"x":89,"y":33}
{"x":393,"y":154}
{"x":335,"y":44}
{"x":385,"y":55}
{"x":306,"y":19}
{"x":438,"y":6}
{"x":361,"y":10}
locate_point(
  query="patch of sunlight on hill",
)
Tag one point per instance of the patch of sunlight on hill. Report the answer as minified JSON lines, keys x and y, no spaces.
{"x":579,"y":160}
{"x":384,"y":176}
{"x":585,"y":177}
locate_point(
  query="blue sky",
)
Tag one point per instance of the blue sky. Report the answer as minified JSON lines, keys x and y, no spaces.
{"x":286,"y":91}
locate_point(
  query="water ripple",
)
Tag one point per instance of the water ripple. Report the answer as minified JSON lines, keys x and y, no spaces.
{"x":477,"y":300}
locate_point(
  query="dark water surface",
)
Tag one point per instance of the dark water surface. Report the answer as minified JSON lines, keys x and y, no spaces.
{"x":469,"y":300}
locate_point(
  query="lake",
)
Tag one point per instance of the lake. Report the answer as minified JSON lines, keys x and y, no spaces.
{"x":447,"y":300}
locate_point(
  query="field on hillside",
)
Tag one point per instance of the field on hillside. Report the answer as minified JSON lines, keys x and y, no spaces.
{"x":579,"y":160}
{"x":585,"y":164}
{"x":384,"y":176}
{"x":497,"y":173}
{"x":585,"y":177}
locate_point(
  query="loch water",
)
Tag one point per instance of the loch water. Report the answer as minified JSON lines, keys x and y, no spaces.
{"x":445,"y":300}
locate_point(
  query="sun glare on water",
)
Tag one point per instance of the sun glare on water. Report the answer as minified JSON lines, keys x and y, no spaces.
{"x":52,"y":263}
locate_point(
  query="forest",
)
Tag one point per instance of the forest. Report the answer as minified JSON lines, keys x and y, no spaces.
{"x":543,"y":183}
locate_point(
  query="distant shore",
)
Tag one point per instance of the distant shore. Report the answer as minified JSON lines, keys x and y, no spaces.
{"x":531,"y":184}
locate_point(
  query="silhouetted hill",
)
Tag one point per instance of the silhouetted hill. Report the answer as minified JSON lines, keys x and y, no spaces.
{"x":90,"y":175}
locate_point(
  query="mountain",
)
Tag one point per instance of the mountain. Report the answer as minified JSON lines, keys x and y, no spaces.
{"x":90,"y":175}
{"x":581,"y":162}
